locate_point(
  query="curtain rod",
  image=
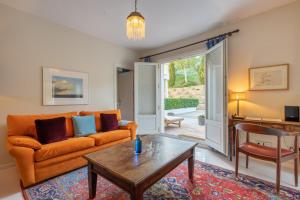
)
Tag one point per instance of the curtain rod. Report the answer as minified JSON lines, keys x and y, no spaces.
{"x":175,"y":49}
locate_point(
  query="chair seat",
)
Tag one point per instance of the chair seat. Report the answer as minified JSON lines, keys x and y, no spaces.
{"x":263,"y":151}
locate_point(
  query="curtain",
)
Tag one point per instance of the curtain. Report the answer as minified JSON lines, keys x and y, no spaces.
{"x":147,"y":59}
{"x":213,"y":42}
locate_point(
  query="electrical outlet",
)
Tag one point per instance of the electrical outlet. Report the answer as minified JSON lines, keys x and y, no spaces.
{"x":267,"y":144}
{"x":264,"y":143}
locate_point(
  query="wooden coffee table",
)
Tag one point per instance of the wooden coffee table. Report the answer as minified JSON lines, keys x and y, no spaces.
{"x":136,"y":173}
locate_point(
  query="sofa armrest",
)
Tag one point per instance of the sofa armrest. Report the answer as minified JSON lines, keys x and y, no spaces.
{"x":25,"y":162}
{"x":132,"y":127}
{"x":24,"y":141}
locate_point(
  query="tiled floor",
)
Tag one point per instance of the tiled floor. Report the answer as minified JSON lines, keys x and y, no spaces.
{"x":9,"y":181}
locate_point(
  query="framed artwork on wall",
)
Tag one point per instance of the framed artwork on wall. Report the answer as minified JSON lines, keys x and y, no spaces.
{"x":62,"y":87}
{"x":275,"y":77}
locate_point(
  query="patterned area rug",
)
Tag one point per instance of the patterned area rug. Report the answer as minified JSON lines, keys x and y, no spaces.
{"x":210,"y":182}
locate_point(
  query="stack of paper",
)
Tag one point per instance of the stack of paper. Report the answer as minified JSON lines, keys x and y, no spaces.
{"x":253,"y":118}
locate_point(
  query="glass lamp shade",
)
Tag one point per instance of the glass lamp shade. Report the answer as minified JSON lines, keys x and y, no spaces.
{"x":135,"y":26}
{"x":238,"y":96}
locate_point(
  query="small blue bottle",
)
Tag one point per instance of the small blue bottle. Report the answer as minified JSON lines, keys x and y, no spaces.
{"x":138,"y":145}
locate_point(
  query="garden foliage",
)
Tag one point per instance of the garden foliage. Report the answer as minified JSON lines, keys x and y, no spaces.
{"x":171,"y":103}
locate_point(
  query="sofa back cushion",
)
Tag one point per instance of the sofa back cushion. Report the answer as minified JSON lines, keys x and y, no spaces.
{"x":97,"y":116}
{"x":24,"y":124}
{"x":51,"y":130}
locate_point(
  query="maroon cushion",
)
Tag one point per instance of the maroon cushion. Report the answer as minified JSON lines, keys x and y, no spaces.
{"x":109,"y":122}
{"x":51,"y":130}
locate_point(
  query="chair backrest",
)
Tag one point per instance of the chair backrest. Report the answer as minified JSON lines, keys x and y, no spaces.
{"x":257,"y":129}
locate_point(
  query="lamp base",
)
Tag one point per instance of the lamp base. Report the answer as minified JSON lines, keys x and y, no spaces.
{"x":235,"y":116}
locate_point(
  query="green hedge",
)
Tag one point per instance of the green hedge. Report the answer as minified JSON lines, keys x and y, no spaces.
{"x":180,"y":103}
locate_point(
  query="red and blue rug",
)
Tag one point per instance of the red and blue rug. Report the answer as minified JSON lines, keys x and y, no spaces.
{"x":210,"y":182}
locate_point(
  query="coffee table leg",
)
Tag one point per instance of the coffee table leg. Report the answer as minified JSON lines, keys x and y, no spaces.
{"x":92,"y":176}
{"x":191,"y":166}
{"x":137,"y":195}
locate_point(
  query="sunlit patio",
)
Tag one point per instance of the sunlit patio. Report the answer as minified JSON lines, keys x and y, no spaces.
{"x":189,"y":126}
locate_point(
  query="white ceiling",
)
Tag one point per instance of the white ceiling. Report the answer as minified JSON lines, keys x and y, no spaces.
{"x":166,"y":20}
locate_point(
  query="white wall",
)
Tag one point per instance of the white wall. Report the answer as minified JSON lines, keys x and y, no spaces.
{"x":27,"y":43}
{"x":266,"y":39}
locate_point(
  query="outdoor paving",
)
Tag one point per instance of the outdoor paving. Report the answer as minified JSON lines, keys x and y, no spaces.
{"x":189,"y":126}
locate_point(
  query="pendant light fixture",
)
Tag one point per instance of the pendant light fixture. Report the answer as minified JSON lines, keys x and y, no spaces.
{"x":135,"y":25}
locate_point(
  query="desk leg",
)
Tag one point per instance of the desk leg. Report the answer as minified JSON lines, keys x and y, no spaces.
{"x":230,"y":144}
{"x":92,"y":178}
{"x":233,"y":141}
{"x":191,"y":165}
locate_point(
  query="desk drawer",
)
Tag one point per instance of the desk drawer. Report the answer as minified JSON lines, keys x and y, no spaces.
{"x":278,"y":126}
{"x":292,"y":128}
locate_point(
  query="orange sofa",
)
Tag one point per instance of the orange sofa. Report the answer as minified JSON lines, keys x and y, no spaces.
{"x":37,"y":162}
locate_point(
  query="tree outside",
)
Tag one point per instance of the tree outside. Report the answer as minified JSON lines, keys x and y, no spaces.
{"x":187,"y":72}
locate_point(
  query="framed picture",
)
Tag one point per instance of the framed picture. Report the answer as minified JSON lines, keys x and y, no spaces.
{"x":62,"y":87}
{"x":274,"y":77}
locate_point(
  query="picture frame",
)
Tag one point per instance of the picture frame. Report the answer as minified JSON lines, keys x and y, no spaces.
{"x":64,"y":87}
{"x":266,"y":78}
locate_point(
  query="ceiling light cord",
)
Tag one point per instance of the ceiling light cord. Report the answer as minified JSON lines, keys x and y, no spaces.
{"x":135,"y":5}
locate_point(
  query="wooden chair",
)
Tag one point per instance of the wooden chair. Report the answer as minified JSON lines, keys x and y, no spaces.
{"x":276,"y":155}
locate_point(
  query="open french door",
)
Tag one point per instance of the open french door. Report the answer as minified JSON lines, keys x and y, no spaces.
{"x":147,"y":97}
{"x":216,"y":97}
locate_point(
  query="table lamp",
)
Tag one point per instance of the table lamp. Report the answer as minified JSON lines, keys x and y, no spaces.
{"x":237,"y":96}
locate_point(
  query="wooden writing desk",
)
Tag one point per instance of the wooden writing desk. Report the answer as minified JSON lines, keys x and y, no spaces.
{"x":287,"y":126}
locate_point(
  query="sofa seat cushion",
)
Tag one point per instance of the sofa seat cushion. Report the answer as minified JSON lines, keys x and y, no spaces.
{"x":70,"y":145}
{"x":109,"y":136}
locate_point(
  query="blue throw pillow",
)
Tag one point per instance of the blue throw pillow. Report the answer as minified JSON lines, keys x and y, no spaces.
{"x":84,"y":125}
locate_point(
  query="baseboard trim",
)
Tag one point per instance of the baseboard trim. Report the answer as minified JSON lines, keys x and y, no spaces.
{"x":7,"y":165}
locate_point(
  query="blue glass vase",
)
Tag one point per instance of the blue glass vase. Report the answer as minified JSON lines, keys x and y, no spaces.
{"x":138,"y":145}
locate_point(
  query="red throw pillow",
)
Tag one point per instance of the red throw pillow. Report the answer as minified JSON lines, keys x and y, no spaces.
{"x":51,"y":130}
{"x":109,"y":122}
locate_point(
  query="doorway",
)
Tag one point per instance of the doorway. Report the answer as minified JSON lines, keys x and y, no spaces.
{"x":184,"y":97}
{"x":125,"y":92}
{"x":206,"y":113}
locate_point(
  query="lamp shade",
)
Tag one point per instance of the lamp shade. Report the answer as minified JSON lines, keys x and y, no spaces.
{"x":238,"y":96}
{"x":135,"y":26}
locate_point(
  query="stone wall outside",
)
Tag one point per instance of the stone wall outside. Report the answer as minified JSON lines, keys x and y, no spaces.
{"x":197,"y":92}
